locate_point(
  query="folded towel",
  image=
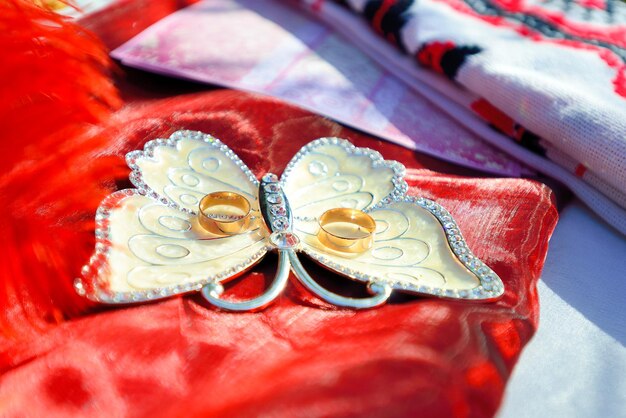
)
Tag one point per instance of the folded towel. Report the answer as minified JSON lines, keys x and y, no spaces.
{"x":550,"y":75}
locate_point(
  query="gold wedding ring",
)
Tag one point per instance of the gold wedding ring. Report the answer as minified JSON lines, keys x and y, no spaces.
{"x":346,"y":230}
{"x":224,"y":213}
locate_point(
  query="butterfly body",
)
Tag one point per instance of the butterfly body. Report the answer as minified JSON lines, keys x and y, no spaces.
{"x":150,"y":246}
{"x":274,"y":205}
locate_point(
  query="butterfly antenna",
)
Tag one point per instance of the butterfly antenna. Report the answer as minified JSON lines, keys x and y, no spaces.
{"x":213,"y":291}
{"x":380,"y":291}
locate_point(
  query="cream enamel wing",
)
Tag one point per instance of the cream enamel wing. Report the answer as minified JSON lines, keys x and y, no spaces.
{"x":150,"y":244}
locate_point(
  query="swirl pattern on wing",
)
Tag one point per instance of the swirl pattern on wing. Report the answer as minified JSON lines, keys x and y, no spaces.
{"x":150,"y":246}
{"x":411,"y":252}
{"x":331,"y":172}
{"x":187,"y":166}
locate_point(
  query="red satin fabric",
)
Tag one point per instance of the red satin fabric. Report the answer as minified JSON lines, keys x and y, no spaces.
{"x":300,"y":357}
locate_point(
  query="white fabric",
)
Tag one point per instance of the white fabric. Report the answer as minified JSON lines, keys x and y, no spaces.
{"x":564,"y":94}
{"x":591,"y":178}
{"x":575,"y":366}
{"x":456,"y":103}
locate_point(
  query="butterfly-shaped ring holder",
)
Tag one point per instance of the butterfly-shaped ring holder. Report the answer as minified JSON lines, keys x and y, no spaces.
{"x":150,"y":244}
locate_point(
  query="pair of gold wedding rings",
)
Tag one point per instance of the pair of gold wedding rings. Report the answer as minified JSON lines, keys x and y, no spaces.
{"x":340,"y":229}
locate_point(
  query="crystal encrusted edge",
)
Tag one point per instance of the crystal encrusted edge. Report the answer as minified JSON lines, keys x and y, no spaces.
{"x":377,"y":160}
{"x":490,"y":287}
{"x":136,"y":176}
{"x":92,"y":285}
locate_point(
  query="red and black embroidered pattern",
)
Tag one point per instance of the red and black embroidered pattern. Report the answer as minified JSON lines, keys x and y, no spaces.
{"x":445,"y":57}
{"x":506,"y":125}
{"x":547,"y":26}
{"x":388,"y":17}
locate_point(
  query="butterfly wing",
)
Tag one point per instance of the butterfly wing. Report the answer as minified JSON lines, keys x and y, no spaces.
{"x":149,"y":243}
{"x":417,"y":245}
{"x":417,"y":248}
{"x":331,"y":172}
{"x":180,"y":170}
